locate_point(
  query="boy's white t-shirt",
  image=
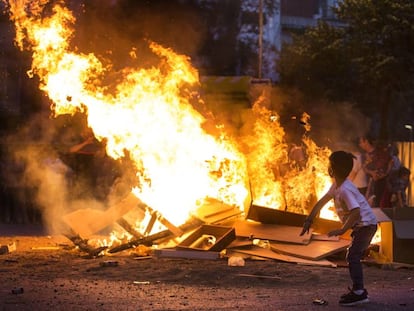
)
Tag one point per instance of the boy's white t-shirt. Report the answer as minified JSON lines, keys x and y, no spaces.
{"x":347,"y":197}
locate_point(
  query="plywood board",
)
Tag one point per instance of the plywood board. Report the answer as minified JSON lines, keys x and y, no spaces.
{"x":315,"y":250}
{"x":240,"y":242}
{"x":214,"y":211}
{"x":256,"y":230}
{"x":88,"y":221}
{"x":324,"y":237}
{"x":267,"y":253}
{"x":268,"y":215}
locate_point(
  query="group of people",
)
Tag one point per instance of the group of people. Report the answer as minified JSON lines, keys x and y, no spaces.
{"x":373,"y":177}
{"x":379,"y":175}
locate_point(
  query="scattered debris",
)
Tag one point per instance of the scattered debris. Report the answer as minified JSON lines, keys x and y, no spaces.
{"x":192,"y":224}
{"x":260,"y":276}
{"x":141,"y":282}
{"x":219,"y":230}
{"x":109,"y":263}
{"x":209,"y":238}
{"x":83,"y":246}
{"x":5,"y":249}
{"x":320,"y":302}
{"x":235,"y":261}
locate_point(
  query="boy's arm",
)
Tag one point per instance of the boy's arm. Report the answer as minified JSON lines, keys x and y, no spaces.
{"x":315,"y":210}
{"x":352,"y":219}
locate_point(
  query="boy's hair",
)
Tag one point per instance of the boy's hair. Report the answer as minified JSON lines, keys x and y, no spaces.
{"x":341,"y":163}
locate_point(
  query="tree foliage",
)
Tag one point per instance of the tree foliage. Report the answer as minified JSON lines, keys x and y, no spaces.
{"x":369,"y":59}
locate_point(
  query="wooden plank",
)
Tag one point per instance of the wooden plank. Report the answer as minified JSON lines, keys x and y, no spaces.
{"x":271,"y":232}
{"x":170,"y":226}
{"x":267,"y":253}
{"x":268,"y":215}
{"x":214,"y":211}
{"x":324,"y":237}
{"x":240,"y":242}
{"x":129,"y":228}
{"x":88,"y":221}
{"x":315,"y":250}
{"x":209,"y":237}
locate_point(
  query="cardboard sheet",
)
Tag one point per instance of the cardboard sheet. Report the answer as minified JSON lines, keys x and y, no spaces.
{"x":271,"y":232}
{"x":267,"y":253}
{"x":315,"y":250}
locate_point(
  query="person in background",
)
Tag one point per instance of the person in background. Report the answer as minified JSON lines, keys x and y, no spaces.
{"x":356,"y":214}
{"x":394,"y":182}
{"x":395,"y":163}
{"x":398,"y":183}
{"x":358,"y":176}
{"x":376,"y":165}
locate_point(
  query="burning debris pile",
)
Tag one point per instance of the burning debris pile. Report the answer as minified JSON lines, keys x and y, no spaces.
{"x":187,"y":170}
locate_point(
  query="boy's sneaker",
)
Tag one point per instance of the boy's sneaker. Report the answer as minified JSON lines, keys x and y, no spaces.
{"x":346,"y":294}
{"x":352,"y":299}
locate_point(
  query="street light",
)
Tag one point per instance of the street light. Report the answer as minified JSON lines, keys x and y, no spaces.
{"x":410,"y":128}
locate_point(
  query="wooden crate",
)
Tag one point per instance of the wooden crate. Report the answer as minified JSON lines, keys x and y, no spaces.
{"x":209,"y":238}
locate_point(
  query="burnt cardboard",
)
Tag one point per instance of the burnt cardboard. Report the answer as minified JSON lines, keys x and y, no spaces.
{"x":397,"y":236}
{"x":209,"y":238}
{"x":268,"y":215}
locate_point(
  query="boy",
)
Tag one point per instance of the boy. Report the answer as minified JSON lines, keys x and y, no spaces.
{"x":355,"y":213}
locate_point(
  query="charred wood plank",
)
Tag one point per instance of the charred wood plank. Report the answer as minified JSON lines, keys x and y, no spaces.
{"x":156,"y":215}
{"x":81,"y":243}
{"x":83,"y":246}
{"x":150,"y":239}
{"x":151,"y":223}
{"x":130,"y":229}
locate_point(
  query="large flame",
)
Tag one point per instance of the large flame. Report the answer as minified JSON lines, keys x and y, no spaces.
{"x":275,"y":181}
{"x":147,"y":116}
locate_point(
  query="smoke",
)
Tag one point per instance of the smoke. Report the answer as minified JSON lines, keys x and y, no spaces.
{"x":331,"y":123}
{"x":337,"y":124}
{"x":115,"y":29}
{"x":30,"y":150}
{"x":40,"y":150}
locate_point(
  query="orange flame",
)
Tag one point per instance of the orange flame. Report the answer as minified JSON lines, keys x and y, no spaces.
{"x":148,"y":117}
{"x":178,"y":163}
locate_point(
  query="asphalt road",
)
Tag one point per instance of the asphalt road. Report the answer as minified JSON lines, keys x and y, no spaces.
{"x":48,"y":273}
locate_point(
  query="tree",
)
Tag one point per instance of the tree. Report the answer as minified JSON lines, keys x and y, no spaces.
{"x":370,"y":60}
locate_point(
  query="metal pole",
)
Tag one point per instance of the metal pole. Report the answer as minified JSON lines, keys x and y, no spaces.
{"x":260,"y":37}
{"x":410,"y":187}
{"x":410,"y":128}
